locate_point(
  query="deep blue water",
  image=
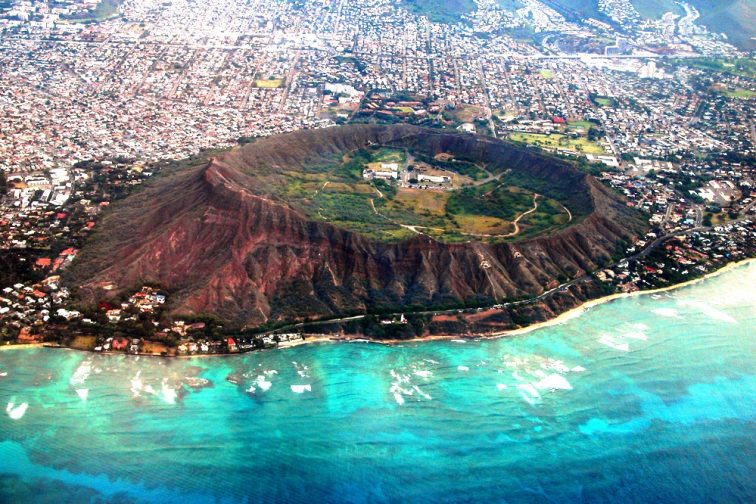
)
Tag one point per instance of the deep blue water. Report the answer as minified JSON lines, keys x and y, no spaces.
{"x":644,"y":399}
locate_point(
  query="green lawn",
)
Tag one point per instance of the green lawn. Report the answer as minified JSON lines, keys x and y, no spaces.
{"x":558,"y":141}
{"x":586,"y":125}
{"x":604,"y":101}
{"x":546,"y":74}
{"x":740,"y":93}
{"x":743,"y":67}
{"x":441,"y":11}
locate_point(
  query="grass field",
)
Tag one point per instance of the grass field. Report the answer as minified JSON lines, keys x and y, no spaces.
{"x":604,"y":101}
{"x":441,"y":11}
{"x":558,"y":141}
{"x":584,"y":125}
{"x":740,"y":93}
{"x":743,"y":67}
{"x":546,"y":74}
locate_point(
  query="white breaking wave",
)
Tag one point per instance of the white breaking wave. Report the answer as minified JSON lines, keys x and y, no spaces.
{"x":529,"y":393}
{"x":83,"y":393}
{"x":136,"y":384}
{"x":81,"y":373}
{"x":708,"y":310}
{"x":612,"y":343}
{"x":553,"y":382}
{"x":298,"y":389}
{"x":263,"y":383}
{"x":667,"y":312}
{"x":167,"y":393}
{"x":463,"y":368}
{"x":16,"y":412}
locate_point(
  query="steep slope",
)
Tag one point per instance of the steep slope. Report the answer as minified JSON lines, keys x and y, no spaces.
{"x":221,"y":244}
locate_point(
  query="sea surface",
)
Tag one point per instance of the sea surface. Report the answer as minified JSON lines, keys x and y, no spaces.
{"x":643,"y":399}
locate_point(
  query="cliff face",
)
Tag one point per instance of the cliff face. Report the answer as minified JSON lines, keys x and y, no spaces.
{"x":220,"y":244}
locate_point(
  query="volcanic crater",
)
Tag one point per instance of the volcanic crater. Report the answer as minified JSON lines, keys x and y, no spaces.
{"x":236,"y":238}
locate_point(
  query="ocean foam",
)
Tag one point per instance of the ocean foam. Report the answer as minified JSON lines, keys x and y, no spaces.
{"x":553,"y":382}
{"x":529,"y":393}
{"x":423,"y":373}
{"x":667,"y":312}
{"x":425,"y":395}
{"x":612,"y":343}
{"x":708,"y":310}
{"x":167,"y":393}
{"x":398,"y":398}
{"x":16,"y":412}
{"x":578,"y":369}
{"x":463,"y":368}
{"x":640,"y":336}
{"x":302,"y":370}
{"x":298,"y":389}
{"x":81,"y":373}
{"x":263,"y":383}
{"x":501,"y":386}
{"x":136,"y":384}
{"x":83,"y":393}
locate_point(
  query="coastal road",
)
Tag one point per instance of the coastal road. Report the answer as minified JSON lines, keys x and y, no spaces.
{"x":560,"y":288}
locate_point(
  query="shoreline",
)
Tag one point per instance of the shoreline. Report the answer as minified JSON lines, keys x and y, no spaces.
{"x":559,"y":319}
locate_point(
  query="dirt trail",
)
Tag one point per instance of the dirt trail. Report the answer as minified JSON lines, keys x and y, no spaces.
{"x":515,"y":222}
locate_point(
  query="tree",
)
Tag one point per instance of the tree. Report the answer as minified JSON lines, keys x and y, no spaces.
{"x":3,"y":183}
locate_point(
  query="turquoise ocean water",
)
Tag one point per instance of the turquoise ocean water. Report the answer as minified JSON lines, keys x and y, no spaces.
{"x":644,"y":399}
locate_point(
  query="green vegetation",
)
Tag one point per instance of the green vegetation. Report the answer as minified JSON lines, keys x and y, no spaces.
{"x":546,"y":74}
{"x":104,"y":10}
{"x":739,"y":93}
{"x":734,"y":18}
{"x":577,"y":10}
{"x":585,"y":125}
{"x":742,"y":67}
{"x":558,"y":141}
{"x":333,"y":190}
{"x":441,"y":11}
{"x":603,"y":101}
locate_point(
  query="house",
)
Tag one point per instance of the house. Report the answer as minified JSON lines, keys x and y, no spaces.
{"x":232,"y":345}
{"x":113,"y":315}
{"x":436,"y":179}
{"x":43,"y":262}
{"x":120,"y":343}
